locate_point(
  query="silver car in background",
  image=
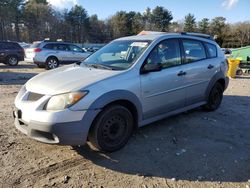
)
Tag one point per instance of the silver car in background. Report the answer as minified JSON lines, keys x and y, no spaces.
{"x":51,"y":54}
{"x":30,"y":52}
{"x":129,"y":83}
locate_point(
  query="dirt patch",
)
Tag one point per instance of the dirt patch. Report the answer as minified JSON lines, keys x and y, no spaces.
{"x":193,"y":149}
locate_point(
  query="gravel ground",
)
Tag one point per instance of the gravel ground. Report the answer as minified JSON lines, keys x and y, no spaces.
{"x":193,"y":149}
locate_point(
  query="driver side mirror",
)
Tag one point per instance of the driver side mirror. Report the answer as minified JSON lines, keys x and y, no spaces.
{"x":151,"y":68}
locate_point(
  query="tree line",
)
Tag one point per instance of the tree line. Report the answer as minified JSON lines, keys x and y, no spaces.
{"x":33,"y":20}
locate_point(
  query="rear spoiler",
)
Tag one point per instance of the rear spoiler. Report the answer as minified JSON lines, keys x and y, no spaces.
{"x":209,"y":37}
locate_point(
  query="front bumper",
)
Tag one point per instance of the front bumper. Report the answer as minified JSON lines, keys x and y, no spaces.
{"x":66,"y":127}
{"x":63,"y":133}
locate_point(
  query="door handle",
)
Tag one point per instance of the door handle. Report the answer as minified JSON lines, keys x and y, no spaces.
{"x":181,"y":73}
{"x":210,"y":66}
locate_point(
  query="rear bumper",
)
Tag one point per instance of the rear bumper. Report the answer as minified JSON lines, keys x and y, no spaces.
{"x":21,"y":58}
{"x":28,"y":60}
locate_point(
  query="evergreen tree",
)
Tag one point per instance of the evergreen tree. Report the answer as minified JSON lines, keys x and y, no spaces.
{"x":189,"y":23}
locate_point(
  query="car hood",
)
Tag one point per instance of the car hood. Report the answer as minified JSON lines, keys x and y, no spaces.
{"x":66,"y":79}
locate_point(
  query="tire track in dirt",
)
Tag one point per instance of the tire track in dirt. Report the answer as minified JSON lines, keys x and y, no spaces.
{"x":57,"y":167}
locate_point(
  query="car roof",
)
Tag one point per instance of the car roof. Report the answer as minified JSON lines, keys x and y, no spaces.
{"x":13,"y":42}
{"x":157,"y":35}
{"x":55,"y":42}
{"x":141,"y":37}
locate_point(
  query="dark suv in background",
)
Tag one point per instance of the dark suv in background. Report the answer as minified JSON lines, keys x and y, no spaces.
{"x":11,"y":53}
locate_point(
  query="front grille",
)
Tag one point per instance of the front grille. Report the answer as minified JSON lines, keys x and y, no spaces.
{"x":34,"y":96}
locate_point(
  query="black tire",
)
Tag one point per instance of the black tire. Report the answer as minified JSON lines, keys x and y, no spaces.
{"x":52,"y":63}
{"x":215,"y":97}
{"x":239,"y":72}
{"x":12,"y":60}
{"x":111,"y":129}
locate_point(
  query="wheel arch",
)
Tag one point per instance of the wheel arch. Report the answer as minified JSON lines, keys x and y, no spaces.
{"x":220,"y":78}
{"x":222,"y":82}
{"x":120,"y":97}
{"x":11,"y":55}
{"x":129,"y":105}
{"x":52,"y":56}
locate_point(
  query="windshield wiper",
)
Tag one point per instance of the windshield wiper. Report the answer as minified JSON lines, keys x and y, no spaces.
{"x":97,"y":66}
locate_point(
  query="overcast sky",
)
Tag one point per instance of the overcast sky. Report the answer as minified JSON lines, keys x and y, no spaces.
{"x":232,"y":10}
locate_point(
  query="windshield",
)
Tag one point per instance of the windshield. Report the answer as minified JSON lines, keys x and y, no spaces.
{"x":118,"y":55}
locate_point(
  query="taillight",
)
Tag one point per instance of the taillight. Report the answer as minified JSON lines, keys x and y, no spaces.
{"x":37,"y":50}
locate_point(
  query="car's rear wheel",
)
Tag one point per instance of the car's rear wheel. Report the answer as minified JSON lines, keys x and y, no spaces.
{"x":12,"y":60}
{"x":52,"y":63}
{"x":111,"y":129}
{"x":215,"y":97}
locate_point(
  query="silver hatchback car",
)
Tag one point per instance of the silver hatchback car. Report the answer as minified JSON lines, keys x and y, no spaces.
{"x":131,"y":82}
{"x":51,"y":54}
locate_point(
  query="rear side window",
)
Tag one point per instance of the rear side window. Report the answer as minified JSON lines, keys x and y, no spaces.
{"x":193,"y":50}
{"x":9,"y":45}
{"x":212,"y":50}
{"x":16,"y":46}
{"x":50,"y":46}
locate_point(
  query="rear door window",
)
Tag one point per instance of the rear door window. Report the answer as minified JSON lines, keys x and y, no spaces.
{"x":193,"y":50}
{"x":50,"y":46}
{"x":62,"y":47}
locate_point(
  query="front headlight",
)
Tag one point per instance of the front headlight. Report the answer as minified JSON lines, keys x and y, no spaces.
{"x":62,"y":101}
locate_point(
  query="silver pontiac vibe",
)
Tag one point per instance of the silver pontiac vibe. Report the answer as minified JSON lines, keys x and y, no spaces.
{"x":131,"y":82}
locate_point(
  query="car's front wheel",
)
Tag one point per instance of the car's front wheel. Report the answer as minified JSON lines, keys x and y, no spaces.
{"x":52,"y":63}
{"x":12,"y":60}
{"x":112,"y":128}
{"x":215,"y":97}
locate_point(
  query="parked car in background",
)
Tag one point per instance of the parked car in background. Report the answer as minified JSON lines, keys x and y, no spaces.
{"x":24,"y":45}
{"x":131,"y":82}
{"x":227,"y":52}
{"x":31,"y":51}
{"x":92,"y":49}
{"x":51,"y":54}
{"x":11,"y":53}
